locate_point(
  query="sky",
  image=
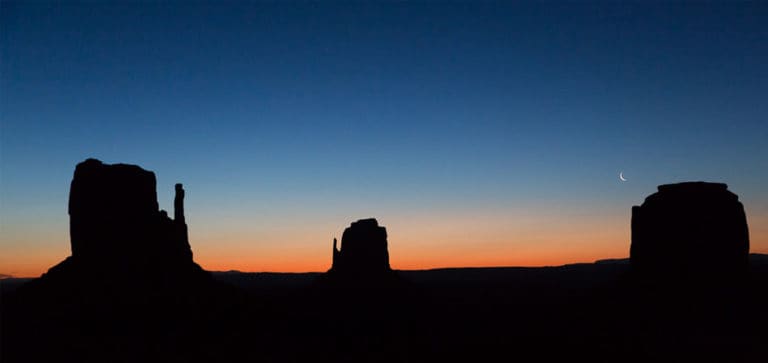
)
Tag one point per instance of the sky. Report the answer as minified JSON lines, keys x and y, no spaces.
{"x":478,"y":134}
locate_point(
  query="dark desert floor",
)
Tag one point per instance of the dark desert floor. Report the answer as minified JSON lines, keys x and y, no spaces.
{"x":594,"y":312}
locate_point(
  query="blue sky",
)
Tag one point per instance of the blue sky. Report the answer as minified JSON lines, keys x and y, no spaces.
{"x":291,"y":112}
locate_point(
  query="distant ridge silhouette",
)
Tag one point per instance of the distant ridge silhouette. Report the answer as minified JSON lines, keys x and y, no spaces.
{"x":691,"y":230}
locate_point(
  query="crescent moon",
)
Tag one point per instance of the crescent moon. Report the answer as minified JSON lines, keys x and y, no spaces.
{"x":621,"y":176}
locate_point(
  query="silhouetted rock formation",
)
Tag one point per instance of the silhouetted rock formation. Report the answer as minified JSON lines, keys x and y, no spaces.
{"x":363,"y":259}
{"x":690,"y":230}
{"x":117,"y":230}
{"x":178,"y":204}
{"x":363,"y":249}
{"x":130,"y":287}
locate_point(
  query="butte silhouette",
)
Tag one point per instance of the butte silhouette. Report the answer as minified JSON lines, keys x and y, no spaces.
{"x":363,"y":256}
{"x":118,"y":234}
{"x":690,"y":231}
{"x":130,"y":284}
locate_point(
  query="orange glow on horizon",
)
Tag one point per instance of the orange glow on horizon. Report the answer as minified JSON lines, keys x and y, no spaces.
{"x":414,"y":244}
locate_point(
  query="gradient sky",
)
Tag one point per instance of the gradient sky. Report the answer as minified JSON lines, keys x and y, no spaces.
{"x":478,"y":134}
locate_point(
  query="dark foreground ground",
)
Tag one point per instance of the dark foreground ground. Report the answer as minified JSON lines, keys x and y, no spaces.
{"x":586,"y":312}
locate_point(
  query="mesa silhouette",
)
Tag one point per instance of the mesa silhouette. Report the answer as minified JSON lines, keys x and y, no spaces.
{"x":131,"y":291}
